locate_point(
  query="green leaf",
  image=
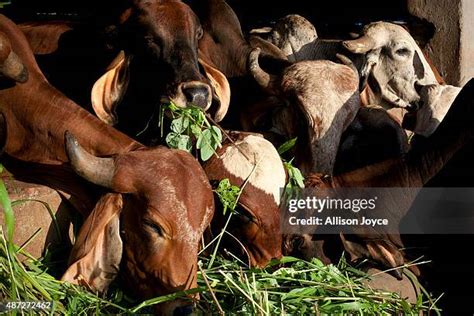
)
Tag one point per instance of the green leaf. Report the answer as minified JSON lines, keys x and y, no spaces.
{"x":227,"y":194}
{"x":287,"y":146}
{"x":294,"y":174}
{"x":208,"y":142}
{"x":7,"y":210}
{"x":187,"y":125}
{"x":196,"y":130}
{"x":185,"y":143}
{"x":217,"y":136}
{"x":206,"y":153}
{"x":298,"y":177}
{"x":178,"y":141}
{"x":180,"y":124}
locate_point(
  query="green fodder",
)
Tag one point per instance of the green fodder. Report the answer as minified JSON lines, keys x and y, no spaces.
{"x":285,"y":287}
{"x":292,"y":286}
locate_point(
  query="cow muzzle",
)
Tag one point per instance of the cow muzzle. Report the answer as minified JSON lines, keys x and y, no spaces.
{"x":194,"y":93}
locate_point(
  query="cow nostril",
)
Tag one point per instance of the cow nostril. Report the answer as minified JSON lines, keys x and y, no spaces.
{"x":183,"y":310}
{"x":198,"y":96}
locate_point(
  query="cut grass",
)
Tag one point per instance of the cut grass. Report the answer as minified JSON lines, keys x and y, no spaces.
{"x":288,"y":286}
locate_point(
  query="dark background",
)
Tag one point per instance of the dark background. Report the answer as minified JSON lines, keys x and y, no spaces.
{"x":328,"y":16}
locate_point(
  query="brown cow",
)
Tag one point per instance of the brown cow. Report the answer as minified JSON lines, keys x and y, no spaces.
{"x":421,"y":164}
{"x":252,"y":163}
{"x":157,"y":61}
{"x":162,"y":219}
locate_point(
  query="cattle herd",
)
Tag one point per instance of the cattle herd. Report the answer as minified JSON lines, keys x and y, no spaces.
{"x":352,"y":104}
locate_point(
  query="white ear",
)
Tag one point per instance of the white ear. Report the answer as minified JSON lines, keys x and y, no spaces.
{"x":221,"y":88}
{"x":437,"y":99}
{"x":109,"y":90}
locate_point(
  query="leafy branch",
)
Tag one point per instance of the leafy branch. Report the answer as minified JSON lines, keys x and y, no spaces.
{"x":228,"y":195}
{"x":190,"y":126}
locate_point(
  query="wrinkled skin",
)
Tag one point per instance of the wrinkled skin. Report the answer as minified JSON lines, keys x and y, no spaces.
{"x":161,"y":222}
{"x":399,"y":76}
{"x":393,"y":64}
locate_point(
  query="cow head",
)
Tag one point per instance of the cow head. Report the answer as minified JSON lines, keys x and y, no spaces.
{"x":252,"y":163}
{"x":11,"y":67}
{"x":149,"y":228}
{"x":323,"y":98}
{"x":160,"y":61}
{"x":293,"y":34}
{"x":393,"y":64}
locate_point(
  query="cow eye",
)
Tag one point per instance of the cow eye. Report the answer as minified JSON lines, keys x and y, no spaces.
{"x":404,"y":51}
{"x":245,"y":216}
{"x":156,"y":228}
{"x":199,"y":33}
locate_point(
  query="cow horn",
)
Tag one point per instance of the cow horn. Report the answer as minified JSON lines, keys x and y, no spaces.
{"x":13,"y":68}
{"x":264,"y":79}
{"x":360,"y":45}
{"x":354,"y":35}
{"x":99,"y":171}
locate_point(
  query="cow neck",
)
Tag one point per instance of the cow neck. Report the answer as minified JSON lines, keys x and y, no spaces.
{"x":43,"y":115}
{"x":38,"y":115}
{"x":427,"y":157}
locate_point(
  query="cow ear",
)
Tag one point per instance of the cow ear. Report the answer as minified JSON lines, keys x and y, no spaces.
{"x":109,"y":90}
{"x":96,"y":255}
{"x":220,"y":87}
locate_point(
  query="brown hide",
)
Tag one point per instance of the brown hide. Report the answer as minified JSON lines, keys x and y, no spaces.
{"x":44,"y":37}
{"x":253,"y":164}
{"x":169,"y":218}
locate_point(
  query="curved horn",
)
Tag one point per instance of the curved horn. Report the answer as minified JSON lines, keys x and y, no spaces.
{"x":13,"y":68}
{"x":360,"y":45}
{"x":99,"y":171}
{"x":264,"y":79}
